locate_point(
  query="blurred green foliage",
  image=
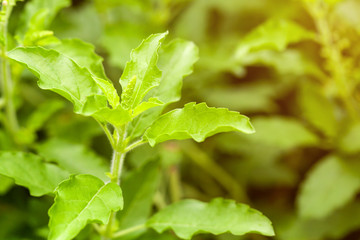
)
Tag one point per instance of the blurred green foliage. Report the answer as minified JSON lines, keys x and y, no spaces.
{"x":291,"y":65}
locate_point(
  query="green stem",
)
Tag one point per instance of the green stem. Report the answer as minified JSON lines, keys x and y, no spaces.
{"x":135,"y":145}
{"x":11,"y":121}
{"x":116,"y":170}
{"x":129,"y":230}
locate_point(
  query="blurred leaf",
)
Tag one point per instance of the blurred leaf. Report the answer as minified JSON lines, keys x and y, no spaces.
{"x":30,"y":171}
{"x":38,"y":15}
{"x":189,"y":217}
{"x":197,"y":122}
{"x":329,"y":185}
{"x":141,"y":74}
{"x":317,"y":109}
{"x":336,"y":226}
{"x":5,"y":184}
{"x":42,"y":113}
{"x":120,"y":40}
{"x":151,"y":235}
{"x":274,"y":34}
{"x":349,"y":142}
{"x":75,"y":158}
{"x":138,"y":189}
{"x":80,"y":200}
{"x":285,"y":133}
{"x":252,"y":97}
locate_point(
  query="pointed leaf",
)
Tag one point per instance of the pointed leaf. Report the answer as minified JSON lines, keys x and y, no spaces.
{"x":30,"y":171}
{"x":189,"y":217}
{"x":141,"y":74}
{"x":197,"y":122}
{"x":329,"y":185}
{"x":274,"y":34}
{"x":80,"y":200}
{"x":176,"y":62}
{"x":75,"y":158}
{"x":152,"y":102}
{"x":62,"y":75}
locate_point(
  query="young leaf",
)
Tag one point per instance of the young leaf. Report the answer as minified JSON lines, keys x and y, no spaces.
{"x":274,"y":34}
{"x":80,"y":200}
{"x":197,"y":122}
{"x":31,"y":20}
{"x":32,"y":172}
{"x":176,"y":62}
{"x":329,"y":185}
{"x":152,"y":102}
{"x":141,"y":74}
{"x":75,"y":158}
{"x":189,"y":217}
{"x":62,"y":75}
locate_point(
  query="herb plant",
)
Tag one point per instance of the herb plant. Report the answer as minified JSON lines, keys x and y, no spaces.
{"x":151,"y":80}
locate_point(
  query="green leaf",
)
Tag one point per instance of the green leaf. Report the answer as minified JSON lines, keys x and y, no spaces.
{"x":274,"y":34}
{"x":152,"y":102}
{"x":117,"y":116}
{"x":281,"y":132}
{"x":349,"y":142}
{"x":39,"y":14}
{"x":141,"y":74}
{"x":197,"y":122}
{"x":42,"y":113}
{"x":80,"y":200}
{"x":317,"y":109}
{"x":329,"y":185}
{"x":139,"y":189}
{"x":58,"y":73}
{"x":83,"y":54}
{"x":189,"y":217}
{"x":176,"y":62}
{"x":75,"y":158}
{"x":32,"y":172}
{"x":5,"y":184}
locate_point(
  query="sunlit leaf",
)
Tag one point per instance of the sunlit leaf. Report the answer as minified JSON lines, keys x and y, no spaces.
{"x":141,"y":73}
{"x":197,"y":122}
{"x":189,"y":217}
{"x":58,"y":73}
{"x":31,"y":171}
{"x":329,"y":185}
{"x":274,"y":34}
{"x":80,"y":200}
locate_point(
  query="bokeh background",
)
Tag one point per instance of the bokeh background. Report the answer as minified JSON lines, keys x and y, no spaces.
{"x":292,"y":66}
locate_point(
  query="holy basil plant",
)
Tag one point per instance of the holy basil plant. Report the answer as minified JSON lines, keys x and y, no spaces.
{"x":151,"y":80}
